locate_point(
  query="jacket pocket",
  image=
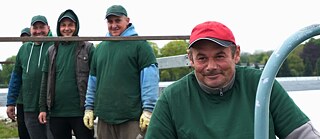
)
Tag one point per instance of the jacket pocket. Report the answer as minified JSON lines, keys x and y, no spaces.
{"x":83,"y":64}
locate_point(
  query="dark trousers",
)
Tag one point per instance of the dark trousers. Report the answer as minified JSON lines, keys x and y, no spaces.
{"x":22,"y":129}
{"x":35,"y":128}
{"x":62,"y":127}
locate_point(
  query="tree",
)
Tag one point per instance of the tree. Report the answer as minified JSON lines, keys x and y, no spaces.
{"x":6,"y":70}
{"x":295,"y":64}
{"x":310,"y":54}
{"x":284,"y":70}
{"x":245,"y":58}
{"x":174,"y":48}
{"x":308,"y":68}
{"x":171,"y":49}
{"x":318,"y":67}
{"x":155,"y":48}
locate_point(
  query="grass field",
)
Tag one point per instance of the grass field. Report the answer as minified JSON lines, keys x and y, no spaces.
{"x":8,"y":129}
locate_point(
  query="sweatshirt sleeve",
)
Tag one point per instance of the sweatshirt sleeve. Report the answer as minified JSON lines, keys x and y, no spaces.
{"x":91,"y":90}
{"x":306,"y":131}
{"x":149,"y":80}
{"x":43,"y":92}
{"x":14,"y":88}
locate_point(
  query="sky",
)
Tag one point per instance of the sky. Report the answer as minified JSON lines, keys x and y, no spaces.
{"x":256,"y":25}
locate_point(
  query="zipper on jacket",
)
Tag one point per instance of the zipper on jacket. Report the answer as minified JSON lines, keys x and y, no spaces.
{"x":221,"y":92}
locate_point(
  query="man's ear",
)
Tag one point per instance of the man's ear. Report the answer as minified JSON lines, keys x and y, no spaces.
{"x":190,"y":57}
{"x":237,"y":54}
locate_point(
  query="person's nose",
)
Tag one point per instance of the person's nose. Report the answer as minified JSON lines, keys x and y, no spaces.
{"x":212,"y":65}
{"x":38,"y":31}
{"x":114,"y":26}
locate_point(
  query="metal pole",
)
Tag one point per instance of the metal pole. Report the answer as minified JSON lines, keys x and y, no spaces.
{"x":261,"y":117}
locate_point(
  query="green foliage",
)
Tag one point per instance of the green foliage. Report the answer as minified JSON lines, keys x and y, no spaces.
{"x":245,"y":58}
{"x":155,"y":48}
{"x":174,"y":48}
{"x":318,"y":67}
{"x":310,"y":54}
{"x":308,"y":68}
{"x":296,"y":65}
{"x":284,"y":71}
{"x":6,"y":71}
{"x":171,"y":49}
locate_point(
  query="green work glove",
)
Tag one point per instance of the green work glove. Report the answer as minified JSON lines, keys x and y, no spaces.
{"x":88,"y":119}
{"x":145,"y":120}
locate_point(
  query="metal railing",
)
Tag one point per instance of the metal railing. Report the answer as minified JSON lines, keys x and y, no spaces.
{"x":261,"y":121}
{"x":261,"y":124}
{"x":114,"y":38}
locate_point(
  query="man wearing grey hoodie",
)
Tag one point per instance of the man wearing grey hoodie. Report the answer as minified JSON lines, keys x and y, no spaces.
{"x":26,"y":77}
{"x":64,"y":82}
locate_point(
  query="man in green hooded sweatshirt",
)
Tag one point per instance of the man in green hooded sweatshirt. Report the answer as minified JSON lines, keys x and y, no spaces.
{"x":26,"y":76}
{"x":64,"y":84}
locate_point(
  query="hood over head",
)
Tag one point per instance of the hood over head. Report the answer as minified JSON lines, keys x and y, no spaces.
{"x":68,"y":14}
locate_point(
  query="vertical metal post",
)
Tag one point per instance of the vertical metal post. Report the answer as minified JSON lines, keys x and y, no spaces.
{"x":261,"y":117}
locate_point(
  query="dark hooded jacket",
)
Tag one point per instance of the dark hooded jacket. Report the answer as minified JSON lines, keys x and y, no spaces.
{"x":83,"y":53}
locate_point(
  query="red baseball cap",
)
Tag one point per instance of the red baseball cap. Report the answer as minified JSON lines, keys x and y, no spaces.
{"x":213,"y":31}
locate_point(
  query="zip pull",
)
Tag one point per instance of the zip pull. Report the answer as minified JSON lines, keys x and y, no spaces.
{"x":221,"y":92}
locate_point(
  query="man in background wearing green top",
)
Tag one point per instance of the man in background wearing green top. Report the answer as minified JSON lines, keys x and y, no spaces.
{"x":123,"y":83}
{"x":27,"y":76}
{"x":22,"y":129}
{"x":217,"y":99}
{"x":25,"y":33}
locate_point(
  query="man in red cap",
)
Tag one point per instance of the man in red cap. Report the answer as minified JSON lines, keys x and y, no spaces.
{"x":217,"y":99}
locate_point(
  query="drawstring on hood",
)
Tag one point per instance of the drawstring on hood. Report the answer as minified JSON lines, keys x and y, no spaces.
{"x":31,"y":55}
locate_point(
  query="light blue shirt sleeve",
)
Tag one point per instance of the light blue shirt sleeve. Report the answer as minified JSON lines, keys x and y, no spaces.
{"x":91,"y":90}
{"x":14,"y":88}
{"x":149,"y":81}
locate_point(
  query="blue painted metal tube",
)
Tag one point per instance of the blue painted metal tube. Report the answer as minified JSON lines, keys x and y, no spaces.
{"x":261,"y":117}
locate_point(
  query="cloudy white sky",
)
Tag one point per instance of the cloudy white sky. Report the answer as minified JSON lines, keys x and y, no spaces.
{"x":257,"y":25}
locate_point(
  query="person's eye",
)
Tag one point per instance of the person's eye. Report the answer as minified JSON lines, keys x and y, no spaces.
{"x":201,"y":58}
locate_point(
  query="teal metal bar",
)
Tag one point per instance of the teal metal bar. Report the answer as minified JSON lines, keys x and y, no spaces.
{"x":261,"y":117}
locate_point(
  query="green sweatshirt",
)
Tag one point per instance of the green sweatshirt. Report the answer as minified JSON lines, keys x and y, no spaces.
{"x":185,"y":111}
{"x":117,"y":66}
{"x":28,"y":64}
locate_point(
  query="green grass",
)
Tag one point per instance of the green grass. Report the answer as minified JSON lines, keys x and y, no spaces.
{"x":8,"y":129}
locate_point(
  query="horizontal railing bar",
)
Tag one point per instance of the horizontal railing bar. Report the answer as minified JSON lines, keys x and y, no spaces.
{"x":114,"y":38}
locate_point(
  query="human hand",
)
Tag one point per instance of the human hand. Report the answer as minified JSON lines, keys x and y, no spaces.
{"x":11,"y":112}
{"x":88,"y":119}
{"x":145,"y":120}
{"x":42,"y":117}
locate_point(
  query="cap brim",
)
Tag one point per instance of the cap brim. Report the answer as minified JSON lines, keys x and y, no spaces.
{"x":66,"y":16}
{"x":38,"y":21}
{"x":218,"y":41}
{"x":24,"y":33}
{"x":115,"y":14}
